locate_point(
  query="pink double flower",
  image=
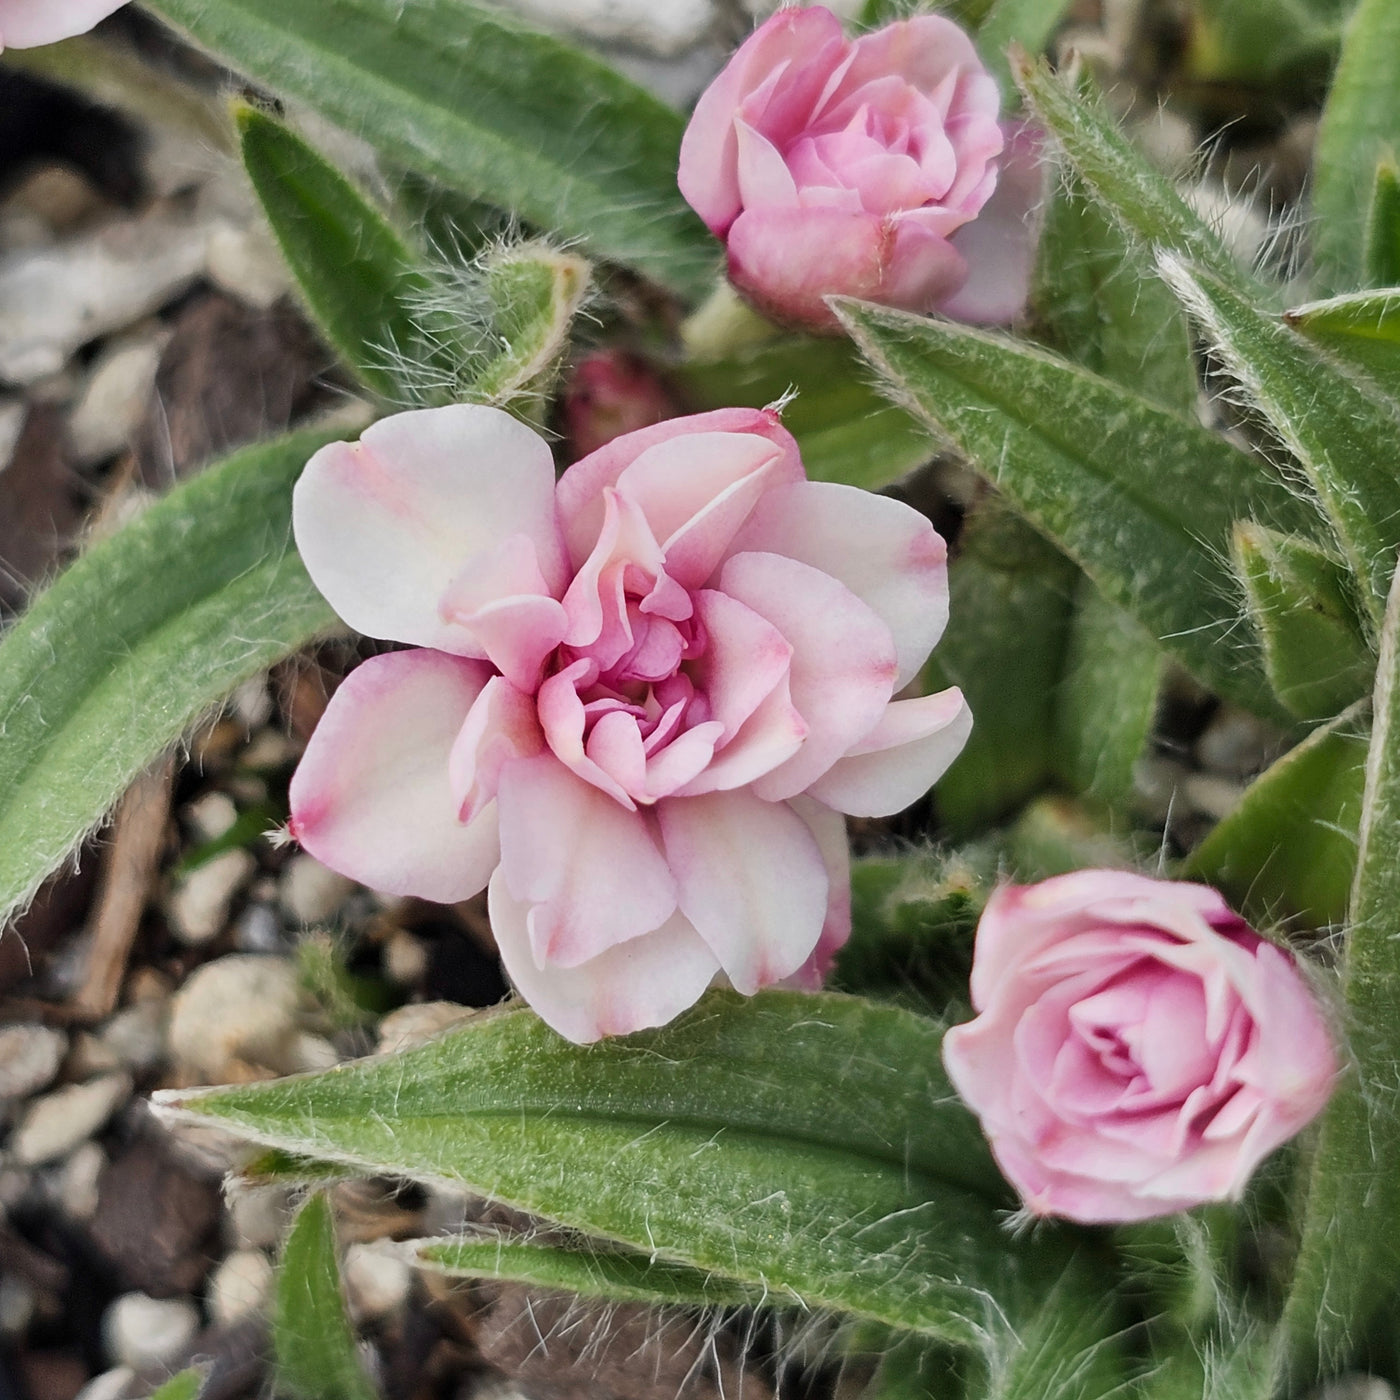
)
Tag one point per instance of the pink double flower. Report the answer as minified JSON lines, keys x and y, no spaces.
{"x":640,"y":699}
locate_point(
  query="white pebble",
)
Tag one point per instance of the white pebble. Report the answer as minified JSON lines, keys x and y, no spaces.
{"x":212,"y":814}
{"x":55,"y":1124}
{"x":376,"y":1282}
{"x":141,"y":1331}
{"x":29,"y":1058}
{"x":113,"y":401}
{"x":258,"y":1216}
{"x":109,"y":1385}
{"x":239,"y":1007}
{"x":405,"y":959}
{"x":198,"y":908}
{"x":663,"y":29}
{"x":240,"y":1285}
{"x":309,"y":892}
{"x":245,"y":263}
{"x":418,"y":1022}
{"x":77,"y":1181}
{"x":17,"y":1305}
{"x":136,"y":1035}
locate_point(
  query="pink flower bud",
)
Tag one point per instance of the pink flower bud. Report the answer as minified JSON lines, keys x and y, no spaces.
{"x":610,"y":393}
{"x":25,"y":24}
{"x":1138,"y":1049}
{"x":638,"y":700}
{"x":874,"y":168}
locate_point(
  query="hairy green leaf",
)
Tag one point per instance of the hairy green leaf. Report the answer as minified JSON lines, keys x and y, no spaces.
{"x":1143,"y":201}
{"x":1011,"y":600}
{"x":806,"y":1144}
{"x":505,"y":115}
{"x":1029,"y":23}
{"x":620,"y":1276}
{"x":1382,"y":261}
{"x":312,"y":1340}
{"x":1360,"y":125}
{"x":183,"y":1385}
{"x":1341,"y":429}
{"x":846,"y":431}
{"x":1361,"y":329}
{"x":1349,"y":1261}
{"x":1302,"y":604}
{"x":360,"y":280}
{"x":1289,"y":849}
{"x":1142,"y":499}
{"x":138,"y":639}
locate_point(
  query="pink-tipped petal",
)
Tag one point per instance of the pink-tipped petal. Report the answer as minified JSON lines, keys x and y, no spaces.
{"x":580,"y":491}
{"x":999,"y":246}
{"x":501,"y":725}
{"x":751,"y":879}
{"x":923,"y":50}
{"x":829,"y":829}
{"x":386,"y":524}
{"x":27,"y":24}
{"x":371,"y":797}
{"x":804,"y":43}
{"x":589,"y":870}
{"x":644,"y":982}
{"x":885,"y":552}
{"x":843,"y":660}
{"x":901,"y":759}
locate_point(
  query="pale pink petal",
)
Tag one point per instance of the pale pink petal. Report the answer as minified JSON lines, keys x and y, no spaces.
{"x":26,"y":24}
{"x":751,"y":880}
{"x":829,"y":829}
{"x":764,"y":179}
{"x":900,"y":759}
{"x":590,"y":871}
{"x":385,"y":525}
{"x":581,"y":489}
{"x":647,"y":981}
{"x":501,"y":725}
{"x":745,"y":659}
{"x":999,"y":245}
{"x":807,"y":42}
{"x":843,"y":660}
{"x":563,"y":721}
{"x":924,"y":50}
{"x":885,"y":552}
{"x":371,"y":797}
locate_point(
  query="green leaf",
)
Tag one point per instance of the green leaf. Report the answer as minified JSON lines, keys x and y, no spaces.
{"x":847,"y":432}
{"x":1141,"y":499}
{"x":1341,"y":429}
{"x":1302,"y":604}
{"x":359,"y":278}
{"x":1260,"y":42}
{"x":1143,"y":202}
{"x":312,"y":1338}
{"x":1106,"y":699}
{"x":1289,"y":848}
{"x":1349,"y":1261}
{"x":807,"y":1144}
{"x":1382,"y":257}
{"x":184,"y":1385}
{"x":1361,"y":329}
{"x":1010,"y":605}
{"x":277,"y":1168}
{"x":1360,"y":126}
{"x":142,"y":635}
{"x":1029,"y":23}
{"x":587,"y":1269}
{"x":505,"y":115}
{"x":1099,"y":301}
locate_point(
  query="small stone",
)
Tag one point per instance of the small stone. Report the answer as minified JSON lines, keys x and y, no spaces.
{"x":113,"y":402}
{"x":136,"y":1035}
{"x":268,"y":749}
{"x":89,"y":1057}
{"x":198,"y":907}
{"x":109,"y":1385}
{"x":405,"y":959}
{"x":252,"y":703}
{"x":258,"y":1216}
{"x":148,"y":984}
{"x":1236,"y":744}
{"x":240,"y":1007}
{"x":77,"y":1181}
{"x":1167,"y":139}
{"x":59,"y":195}
{"x":12,"y":415}
{"x":245,"y":263}
{"x":258,"y":930}
{"x":377,"y":1283}
{"x":1235,"y":220}
{"x":29,"y":1058}
{"x":309,"y":892}
{"x":1213,"y":796}
{"x":212,"y":814}
{"x":665,"y":30}
{"x":240,"y":1285}
{"x":417,"y":1022}
{"x":1355,"y":1386}
{"x":310,"y":1052}
{"x":55,"y":1124}
{"x":17,"y":1304}
{"x":141,"y":1331}
{"x":1156,"y":784}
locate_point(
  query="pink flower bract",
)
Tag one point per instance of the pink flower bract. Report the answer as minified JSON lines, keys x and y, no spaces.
{"x":873,"y":167}
{"x":640,"y":699}
{"x":1138,"y":1048}
{"x":26,"y":24}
